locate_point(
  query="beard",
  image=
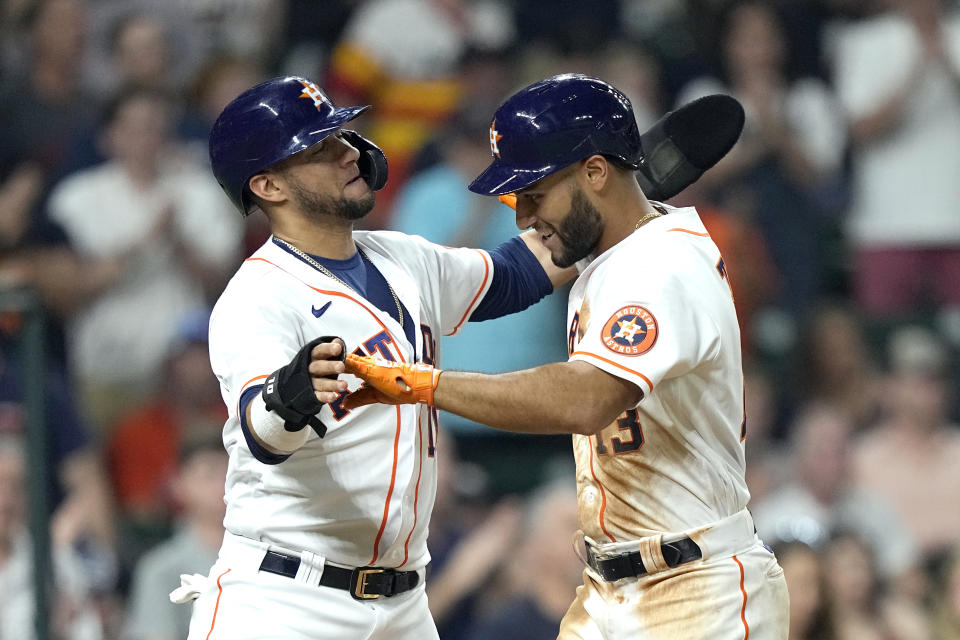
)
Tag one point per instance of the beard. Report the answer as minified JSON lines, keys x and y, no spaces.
{"x":579,"y":232}
{"x":319,"y":206}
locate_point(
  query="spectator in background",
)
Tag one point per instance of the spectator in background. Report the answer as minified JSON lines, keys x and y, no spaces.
{"x":199,"y":489}
{"x":44,"y":109}
{"x":632,"y":69}
{"x":898,"y":77}
{"x":485,"y":77}
{"x":835,"y":366}
{"x":546,"y":572}
{"x":819,"y":498}
{"x":912,"y":455}
{"x":21,"y":187}
{"x":853,"y":589}
{"x":246,"y":28}
{"x":768,"y":466}
{"x":809,"y":610}
{"x":752,"y":275}
{"x":790,"y":150}
{"x":674,"y":31}
{"x":468,"y":546}
{"x":139,"y":47}
{"x":435,"y":204}
{"x":550,"y":22}
{"x":404,"y":56}
{"x":172,"y":237}
{"x":946,"y":605}
{"x":82,"y":510}
{"x":74,"y":614}
{"x":192,"y":32}
{"x":220,"y":80}
{"x":142,"y":450}
{"x":139,"y":57}
{"x":44,"y":113}
{"x":860,"y":606}
{"x":309,"y":34}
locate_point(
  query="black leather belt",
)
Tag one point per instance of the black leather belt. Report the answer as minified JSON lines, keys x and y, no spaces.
{"x":629,"y":565}
{"x":363,"y":583}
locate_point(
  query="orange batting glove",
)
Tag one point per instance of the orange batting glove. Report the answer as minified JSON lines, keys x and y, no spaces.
{"x":391,"y":382}
{"x":509,"y":199}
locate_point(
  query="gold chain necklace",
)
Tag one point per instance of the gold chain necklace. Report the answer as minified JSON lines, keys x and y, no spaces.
{"x":322,"y":269}
{"x":647,"y":218}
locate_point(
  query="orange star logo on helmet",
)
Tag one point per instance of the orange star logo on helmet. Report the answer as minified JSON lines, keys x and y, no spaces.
{"x":313,"y":92}
{"x":494,"y":139}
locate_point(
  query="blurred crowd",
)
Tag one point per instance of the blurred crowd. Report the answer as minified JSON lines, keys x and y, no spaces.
{"x":837,"y":214}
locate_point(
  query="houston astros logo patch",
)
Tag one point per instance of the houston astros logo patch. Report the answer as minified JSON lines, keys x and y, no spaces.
{"x":631,"y":331}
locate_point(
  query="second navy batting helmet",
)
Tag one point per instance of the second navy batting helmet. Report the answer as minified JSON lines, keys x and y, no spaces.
{"x":553,"y":123}
{"x":271,"y":122}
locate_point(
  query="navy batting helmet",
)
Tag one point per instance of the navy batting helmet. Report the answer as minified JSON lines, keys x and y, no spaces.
{"x":271,"y":122}
{"x":553,"y":123}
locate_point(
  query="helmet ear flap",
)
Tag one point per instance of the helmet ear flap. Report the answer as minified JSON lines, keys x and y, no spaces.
{"x":372,"y":161}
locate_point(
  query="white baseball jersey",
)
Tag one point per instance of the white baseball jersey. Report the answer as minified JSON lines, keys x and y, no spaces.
{"x":657,"y":310}
{"x":361,"y":495}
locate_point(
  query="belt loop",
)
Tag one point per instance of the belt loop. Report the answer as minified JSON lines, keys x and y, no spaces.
{"x":652,"y":554}
{"x":310,"y":569}
{"x":580,"y":544}
{"x":725,"y":537}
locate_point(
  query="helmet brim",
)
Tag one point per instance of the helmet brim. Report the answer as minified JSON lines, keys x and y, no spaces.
{"x":310,"y":136}
{"x":499,"y":179}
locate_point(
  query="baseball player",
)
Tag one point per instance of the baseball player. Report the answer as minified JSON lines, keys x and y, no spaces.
{"x":327,"y":506}
{"x":652,"y":391}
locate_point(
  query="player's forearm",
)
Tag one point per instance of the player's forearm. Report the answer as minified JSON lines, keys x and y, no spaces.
{"x":569,"y":397}
{"x":557,"y":275}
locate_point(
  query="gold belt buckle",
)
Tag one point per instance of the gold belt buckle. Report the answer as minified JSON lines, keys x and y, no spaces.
{"x":360,"y":590}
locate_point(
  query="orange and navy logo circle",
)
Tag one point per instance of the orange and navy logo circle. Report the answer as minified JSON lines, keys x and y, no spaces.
{"x":631,"y":331}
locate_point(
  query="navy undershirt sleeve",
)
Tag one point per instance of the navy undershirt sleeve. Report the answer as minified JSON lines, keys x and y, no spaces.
{"x":518,"y":281}
{"x":258,"y":451}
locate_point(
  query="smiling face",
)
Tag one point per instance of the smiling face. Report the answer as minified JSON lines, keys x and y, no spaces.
{"x":559,"y":210}
{"x":322,"y":181}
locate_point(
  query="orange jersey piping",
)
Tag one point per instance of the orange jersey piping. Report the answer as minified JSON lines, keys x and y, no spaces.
{"x":603,"y":494}
{"x":615,"y":364}
{"x":245,"y":385}
{"x":693,"y":233}
{"x":216,"y":607}
{"x":342,"y":295}
{"x":486,"y":275}
{"x":416,"y":491}
{"x":386,"y":504}
{"x":743,"y":607}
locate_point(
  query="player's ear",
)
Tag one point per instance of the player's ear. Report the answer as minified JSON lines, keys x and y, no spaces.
{"x":265,"y":186}
{"x":596,"y":172}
